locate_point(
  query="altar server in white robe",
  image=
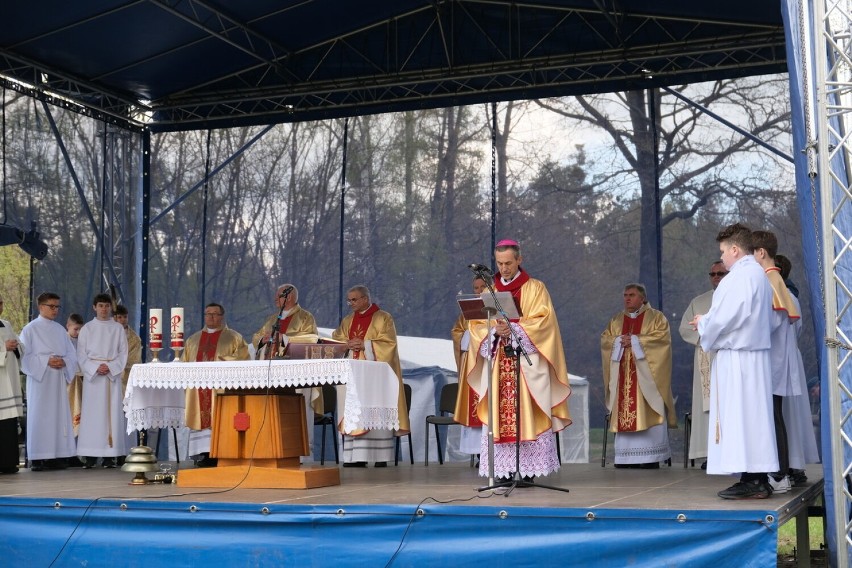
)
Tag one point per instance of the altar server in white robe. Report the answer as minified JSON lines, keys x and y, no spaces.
{"x":49,"y":361}
{"x":11,"y":399}
{"x":797,"y":409}
{"x":102,"y":353}
{"x":737,"y":327}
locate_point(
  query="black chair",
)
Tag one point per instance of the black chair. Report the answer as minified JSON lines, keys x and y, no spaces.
{"x":446,"y":405}
{"x":407,"y":389}
{"x":328,"y":418}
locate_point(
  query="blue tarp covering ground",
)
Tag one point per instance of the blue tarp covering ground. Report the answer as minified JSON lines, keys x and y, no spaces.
{"x":37,"y":532}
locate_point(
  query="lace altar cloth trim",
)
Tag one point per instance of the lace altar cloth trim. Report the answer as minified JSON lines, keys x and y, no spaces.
{"x":370,"y":402}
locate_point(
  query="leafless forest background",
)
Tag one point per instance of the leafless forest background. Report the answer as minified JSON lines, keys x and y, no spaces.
{"x":575,"y":185}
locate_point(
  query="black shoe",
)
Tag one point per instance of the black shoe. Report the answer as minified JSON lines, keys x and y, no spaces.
{"x":704,"y":465}
{"x":798,"y":477}
{"x":74,"y":462}
{"x":108,"y":463}
{"x":354,"y":464}
{"x":747,"y":490}
{"x":626,"y":465}
{"x":89,"y":462}
{"x":381,"y":464}
{"x":652,"y":465}
{"x":529,"y":478}
{"x":207,"y":461}
{"x":12,"y":469}
{"x":37,"y":465}
{"x":55,"y":464}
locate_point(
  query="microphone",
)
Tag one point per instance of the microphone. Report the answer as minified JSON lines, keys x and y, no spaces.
{"x":480,"y":268}
{"x":285,"y":292}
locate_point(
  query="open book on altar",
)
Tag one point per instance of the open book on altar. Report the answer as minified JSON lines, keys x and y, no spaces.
{"x":314,"y":347}
{"x":478,"y":306}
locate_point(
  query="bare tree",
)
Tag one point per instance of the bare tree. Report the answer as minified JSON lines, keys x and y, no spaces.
{"x":670,"y":153}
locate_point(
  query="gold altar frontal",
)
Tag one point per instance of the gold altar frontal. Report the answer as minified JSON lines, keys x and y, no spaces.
{"x":258,"y":438}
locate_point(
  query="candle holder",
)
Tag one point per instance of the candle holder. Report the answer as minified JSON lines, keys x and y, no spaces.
{"x":178,"y":351}
{"x":156,"y":352}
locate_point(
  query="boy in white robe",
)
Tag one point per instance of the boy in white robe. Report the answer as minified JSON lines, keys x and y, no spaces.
{"x":102,"y":353}
{"x":49,"y":361}
{"x":737,"y":327}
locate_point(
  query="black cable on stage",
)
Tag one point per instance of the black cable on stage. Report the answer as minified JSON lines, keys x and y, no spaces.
{"x":433,"y":500}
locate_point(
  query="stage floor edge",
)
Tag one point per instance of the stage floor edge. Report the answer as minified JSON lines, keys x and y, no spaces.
{"x":403,"y":516}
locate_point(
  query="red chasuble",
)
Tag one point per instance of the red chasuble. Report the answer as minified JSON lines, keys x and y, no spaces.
{"x":628,"y":382}
{"x":360,"y":325}
{"x":507,"y":387}
{"x":207,"y":352}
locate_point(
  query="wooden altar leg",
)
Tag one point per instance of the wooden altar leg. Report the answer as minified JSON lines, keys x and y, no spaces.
{"x":258,"y":439}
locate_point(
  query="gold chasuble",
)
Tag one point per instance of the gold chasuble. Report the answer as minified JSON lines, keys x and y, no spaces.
{"x":467,"y":400}
{"x":298,"y":322}
{"x":134,"y":355}
{"x":221,"y":345}
{"x":638,"y":391}
{"x":544,"y":385}
{"x":377,"y":327}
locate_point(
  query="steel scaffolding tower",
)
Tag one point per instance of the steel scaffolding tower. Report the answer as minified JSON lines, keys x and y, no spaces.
{"x":830,"y":156}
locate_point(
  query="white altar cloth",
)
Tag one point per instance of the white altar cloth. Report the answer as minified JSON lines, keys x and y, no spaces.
{"x":155,"y":391}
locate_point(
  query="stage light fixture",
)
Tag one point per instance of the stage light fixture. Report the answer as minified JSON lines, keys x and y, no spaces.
{"x":29,"y":242}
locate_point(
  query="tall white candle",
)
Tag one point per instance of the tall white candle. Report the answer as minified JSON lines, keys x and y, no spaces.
{"x":155,"y":328}
{"x":177,"y":327}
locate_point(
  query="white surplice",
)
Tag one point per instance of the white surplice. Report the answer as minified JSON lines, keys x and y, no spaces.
{"x":102,"y":427}
{"x":49,"y":431}
{"x":801,"y":439}
{"x":11,"y":399}
{"x":737,"y":327}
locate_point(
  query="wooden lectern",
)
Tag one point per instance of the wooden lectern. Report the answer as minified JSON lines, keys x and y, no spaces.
{"x":259,"y":436}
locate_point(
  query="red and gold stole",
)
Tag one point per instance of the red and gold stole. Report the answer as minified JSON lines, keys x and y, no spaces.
{"x":360,"y":324}
{"x":284,"y":324}
{"x":506,"y":369}
{"x":628,"y":383}
{"x":207,"y":352}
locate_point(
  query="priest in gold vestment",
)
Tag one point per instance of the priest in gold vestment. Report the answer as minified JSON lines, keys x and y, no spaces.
{"x":297,"y":324}
{"x":636,"y":350}
{"x":216,"y":342}
{"x":544,"y":388}
{"x":293,"y":321}
{"x":467,"y":400}
{"x":134,"y":356}
{"x":370,"y":334}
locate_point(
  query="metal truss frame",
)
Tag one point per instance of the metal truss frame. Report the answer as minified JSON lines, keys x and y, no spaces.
{"x":832,"y":20}
{"x":442,"y":53}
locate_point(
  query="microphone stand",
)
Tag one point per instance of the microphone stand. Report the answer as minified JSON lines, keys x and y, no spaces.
{"x":516,"y":480}
{"x":275,"y":335}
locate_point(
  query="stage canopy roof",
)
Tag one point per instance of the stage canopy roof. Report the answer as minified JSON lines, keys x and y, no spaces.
{"x":190,"y":64}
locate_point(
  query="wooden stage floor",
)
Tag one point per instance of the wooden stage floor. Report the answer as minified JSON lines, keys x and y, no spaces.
{"x":590,"y":487}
